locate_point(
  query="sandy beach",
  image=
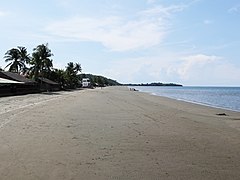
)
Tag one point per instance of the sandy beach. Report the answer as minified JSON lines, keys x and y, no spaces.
{"x":114,"y":133}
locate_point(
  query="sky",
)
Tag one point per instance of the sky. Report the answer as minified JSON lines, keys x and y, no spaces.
{"x":190,"y":42}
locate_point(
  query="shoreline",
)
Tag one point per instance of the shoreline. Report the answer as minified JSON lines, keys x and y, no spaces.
{"x":198,"y":103}
{"x":115,"y":133}
{"x":194,"y":102}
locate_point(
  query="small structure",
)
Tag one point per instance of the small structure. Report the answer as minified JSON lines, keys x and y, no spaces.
{"x":4,"y":81}
{"x":86,"y":83}
{"x":15,"y":77}
{"x":48,"y":85}
{"x":15,"y":84}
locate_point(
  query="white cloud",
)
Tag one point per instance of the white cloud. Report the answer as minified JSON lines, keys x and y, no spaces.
{"x":197,"y":69}
{"x":65,"y":3}
{"x":164,"y":11}
{"x":201,"y":69}
{"x":2,"y":13}
{"x":113,"y":32}
{"x":118,"y":33}
{"x":199,"y":61}
{"x":142,"y":69}
{"x":234,"y":9}
{"x":168,"y":10}
{"x":151,"y":1}
{"x":125,"y":70}
{"x":207,"y":22}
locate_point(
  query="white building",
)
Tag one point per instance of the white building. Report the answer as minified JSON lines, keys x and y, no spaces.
{"x":86,"y":82}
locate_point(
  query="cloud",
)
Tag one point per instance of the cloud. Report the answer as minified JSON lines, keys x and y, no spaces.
{"x":151,"y":1}
{"x":2,"y":13}
{"x":65,"y":3}
{"x":117,"y":33}
{"x":142,"y":69}
{"x":168,"y":10}
{"x":113,"y":32}
{"x":207,"y":22}
{"x":201,"y":69}
{"x":196,"y":69}
{"x":234,"y":9}
{"x":199,"y":61}
{"x":125,"y":70}
{"x":164,"y":11}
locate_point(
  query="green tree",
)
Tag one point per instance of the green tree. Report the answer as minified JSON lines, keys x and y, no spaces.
{"x":71,"y":77}
{"x":100,"y":81}
{"x":58,"y":75}
{"x":41,"y":62}
{"x":18,"y":57}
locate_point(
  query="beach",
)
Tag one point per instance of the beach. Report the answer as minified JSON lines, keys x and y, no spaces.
{"x":115,"y":133}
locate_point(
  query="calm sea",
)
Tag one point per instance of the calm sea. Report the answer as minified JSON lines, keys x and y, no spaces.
{"x":222,"y":97}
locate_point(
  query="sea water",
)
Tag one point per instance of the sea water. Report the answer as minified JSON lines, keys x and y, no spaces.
{"x":221,"y":97}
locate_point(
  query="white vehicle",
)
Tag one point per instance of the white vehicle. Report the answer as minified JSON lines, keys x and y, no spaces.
{"x":86,"y":82}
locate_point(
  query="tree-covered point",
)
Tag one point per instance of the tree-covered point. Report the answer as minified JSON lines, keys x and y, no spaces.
{"x":154,"y":84}
{"x":99,"y":80}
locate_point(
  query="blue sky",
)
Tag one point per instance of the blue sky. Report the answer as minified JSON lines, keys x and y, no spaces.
{"x":192,"y":42}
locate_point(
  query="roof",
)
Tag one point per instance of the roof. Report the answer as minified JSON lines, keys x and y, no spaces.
{"x":47,"y":81}
{"x":15,"y":77}
{"x":7,"y":81}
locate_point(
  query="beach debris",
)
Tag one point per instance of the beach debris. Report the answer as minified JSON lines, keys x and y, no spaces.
{"x":221,"y":114}
{"x":133,"y":89}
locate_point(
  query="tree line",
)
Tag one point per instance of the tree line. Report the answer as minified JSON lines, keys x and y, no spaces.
{"x":40,"y":64}
{"x":99,"y":80}
{"x":154,"y":84}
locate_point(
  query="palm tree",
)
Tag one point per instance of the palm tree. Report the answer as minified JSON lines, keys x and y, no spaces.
{"x":24,"y":57}
{"x":78,"y":68}
{"x":71,"y":74}
{"x":41,"y":62}
{"x":17,"y":57}
{"x":36,"y":65}
{"x":58,"y":75}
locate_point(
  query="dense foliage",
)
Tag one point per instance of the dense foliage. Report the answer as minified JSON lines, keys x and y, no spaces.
{"x":40,"y":64}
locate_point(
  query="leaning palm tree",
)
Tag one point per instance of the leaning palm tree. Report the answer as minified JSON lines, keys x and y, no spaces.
{"x":17,"y":58}
{"x":41,"y":62}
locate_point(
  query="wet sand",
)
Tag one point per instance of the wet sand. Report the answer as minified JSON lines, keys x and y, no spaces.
{"x":114,"y":133}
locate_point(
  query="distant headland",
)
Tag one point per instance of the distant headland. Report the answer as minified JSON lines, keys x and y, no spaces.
{"x":154,"y":84}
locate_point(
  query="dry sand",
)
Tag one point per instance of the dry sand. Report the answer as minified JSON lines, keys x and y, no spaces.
{"x":114,"y":133}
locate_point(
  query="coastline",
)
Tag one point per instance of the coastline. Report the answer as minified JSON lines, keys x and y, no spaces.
{"x":215,"y":103}
{"x":197,"y":103}
{"x":114,"y":133}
